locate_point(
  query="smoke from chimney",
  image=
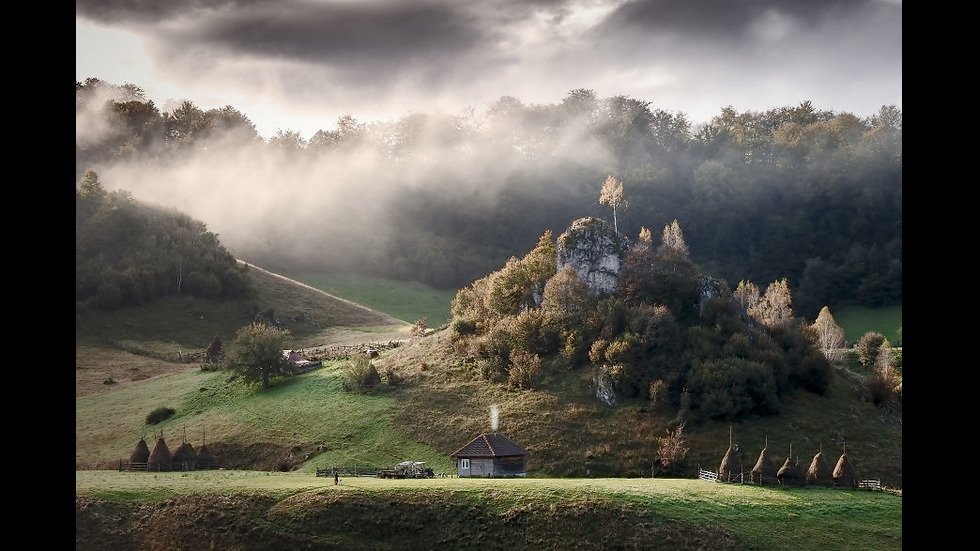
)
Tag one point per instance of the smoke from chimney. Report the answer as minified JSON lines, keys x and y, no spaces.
{"x":494,"y":414}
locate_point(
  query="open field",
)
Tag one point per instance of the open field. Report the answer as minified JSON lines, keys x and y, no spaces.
{"x":549,"y":513}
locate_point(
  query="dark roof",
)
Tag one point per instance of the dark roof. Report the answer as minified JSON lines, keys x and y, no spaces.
{"x":490,"y":445}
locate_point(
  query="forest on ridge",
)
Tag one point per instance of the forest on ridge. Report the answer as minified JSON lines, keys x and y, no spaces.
{"x":796,"y":192}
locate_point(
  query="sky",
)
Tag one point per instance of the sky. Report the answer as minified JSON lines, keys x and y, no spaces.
{"x":300,"y":65}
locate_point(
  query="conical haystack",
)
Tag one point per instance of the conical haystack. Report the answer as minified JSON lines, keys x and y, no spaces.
{"x":185,"y":457}
{"x":730,"y":469}
{"x":844,"y":473}
{"x":141,"y":454}
{"x":819,"y":473}
{"x":160,"y":459}
{"x":789,"y":474}
{"x":764,"y":471}
{"x":205,"y":459}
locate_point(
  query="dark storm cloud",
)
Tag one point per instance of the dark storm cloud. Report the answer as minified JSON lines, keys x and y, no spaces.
{"x":385,"y":58}
{"x":152,"y":11}
{"x":728,"y":18}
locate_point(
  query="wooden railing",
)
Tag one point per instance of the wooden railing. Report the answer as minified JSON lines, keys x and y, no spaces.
{"x":710,"y":476}
{"x":869,"y":484}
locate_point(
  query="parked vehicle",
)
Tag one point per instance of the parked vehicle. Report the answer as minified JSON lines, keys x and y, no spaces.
{"x":407,"y":469}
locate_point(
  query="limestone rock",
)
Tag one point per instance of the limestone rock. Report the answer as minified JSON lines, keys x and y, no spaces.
{"x":593,"y":248}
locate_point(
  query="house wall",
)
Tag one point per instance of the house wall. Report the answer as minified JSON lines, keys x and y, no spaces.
{"x":479,"y":466}
{"x":486,"y":466}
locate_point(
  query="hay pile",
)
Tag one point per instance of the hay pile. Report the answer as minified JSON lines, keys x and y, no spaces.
{"x":819,"y":473}
{"x":141,"y":454}
{"x":844,"y":473}
{"x":730,"y":469}
{"x":185,"y":457}
{"x":205,"y":459}
{"x":764,"y":471}
{"x":789,"y":474}
{"x":160,"y":459}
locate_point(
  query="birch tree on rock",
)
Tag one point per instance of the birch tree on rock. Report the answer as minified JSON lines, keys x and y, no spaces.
{"x":612,"y":194}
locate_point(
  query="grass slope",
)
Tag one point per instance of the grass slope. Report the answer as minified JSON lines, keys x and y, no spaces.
{"x":408,"y":301}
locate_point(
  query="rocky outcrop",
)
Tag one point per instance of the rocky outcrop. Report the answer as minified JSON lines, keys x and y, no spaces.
{"x":604,"y":391}
{"x":710,"y":287}
{"x":593,"y":248}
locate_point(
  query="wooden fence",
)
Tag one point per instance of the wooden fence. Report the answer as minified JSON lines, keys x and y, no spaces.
{"x":869,"y":484}
{"x":354,"y":470}
{"x":710,"y":476}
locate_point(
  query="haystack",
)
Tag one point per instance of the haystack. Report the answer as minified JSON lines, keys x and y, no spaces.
{"x":185,"y":457}
{"x":730,"y":469}
{"x":789,"y":474}
{"x":205,"y":460}
{"x":160,"y":459}
{"x":819,"y":473}
{"x":844,"y":473}
{"x":764,"y":471}
{"x":141,"y":454}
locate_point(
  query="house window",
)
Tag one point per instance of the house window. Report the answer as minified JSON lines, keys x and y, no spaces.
{"x":464,"y":463}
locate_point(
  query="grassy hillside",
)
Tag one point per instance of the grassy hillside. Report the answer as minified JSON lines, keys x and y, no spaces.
{"x":437,"y":405}
{"x":408,"y":301}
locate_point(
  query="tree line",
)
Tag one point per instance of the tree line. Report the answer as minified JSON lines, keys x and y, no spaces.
{"x":797,"y":192}
{"x":129,"y":253}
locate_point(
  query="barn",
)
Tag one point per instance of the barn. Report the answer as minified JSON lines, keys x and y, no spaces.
{"x":490,"y":455}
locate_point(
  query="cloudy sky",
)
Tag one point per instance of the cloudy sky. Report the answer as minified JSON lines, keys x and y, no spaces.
{"x":301,"y":64}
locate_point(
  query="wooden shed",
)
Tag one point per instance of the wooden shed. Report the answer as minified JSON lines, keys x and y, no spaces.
{"x":490,"y":455}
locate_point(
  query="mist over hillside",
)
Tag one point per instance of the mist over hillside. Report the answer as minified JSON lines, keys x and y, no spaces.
{"x":796,"y":192}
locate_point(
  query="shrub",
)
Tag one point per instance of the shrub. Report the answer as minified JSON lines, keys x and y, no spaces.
{"x":462,"y":326}
{"x":159,"y":415}
{"x":868,"y":348}
{"x":524,"y":368}
{"x":355,"y":372}
{"x":880,"y":388}
{"x":420,"y":326}
{"x":657,"y":392}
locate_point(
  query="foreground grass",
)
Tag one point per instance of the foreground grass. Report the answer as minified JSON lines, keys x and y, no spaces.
{"x":756,"y":517}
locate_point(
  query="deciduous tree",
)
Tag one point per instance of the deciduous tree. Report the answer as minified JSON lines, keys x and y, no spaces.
{"x":257,"y":353}
{"x":868,"y":347}
{"x":829,"y":335}
{"x":672,"y":448}
{"x":612,"y":194}
{"x":775,"y":306}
